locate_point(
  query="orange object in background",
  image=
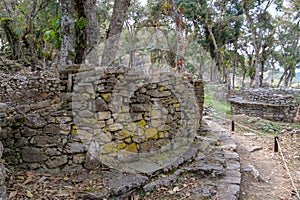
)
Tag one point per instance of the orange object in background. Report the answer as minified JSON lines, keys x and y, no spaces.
{"x":180,"y":62}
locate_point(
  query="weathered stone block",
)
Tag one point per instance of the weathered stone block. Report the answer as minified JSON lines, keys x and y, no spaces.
{"x":151,"y":133}
{"x":46,"y":141}
{"x":75,"y":147}
{"x":78,"y":158}
{"x":52,"y":152}
{"x":100,"y":105}
{"x":57,"y":161}
{"x":115,"y":127}
{"x":35,"y":121}
{"x":104,"y":115}
{"x":31,"y":154}
{"x":52,"y":129}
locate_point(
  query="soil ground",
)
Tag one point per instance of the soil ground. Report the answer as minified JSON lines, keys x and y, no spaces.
{"x":264,"y":175}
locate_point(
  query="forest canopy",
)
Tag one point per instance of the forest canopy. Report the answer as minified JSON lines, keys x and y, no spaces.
{"x":246,"y":39}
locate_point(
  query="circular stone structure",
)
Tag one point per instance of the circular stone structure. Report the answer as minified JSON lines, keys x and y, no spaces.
{"x":134,"y":122}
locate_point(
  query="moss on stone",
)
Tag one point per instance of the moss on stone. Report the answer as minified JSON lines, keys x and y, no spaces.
{"x":125,"y":134}
{"x":132,"y":147}
{"x":151,"y":133}
{"x":162,"y":88}
{"x":74,"y":130}
{"x":122,"y":145}
{"x":176,"y":105}
{"x":131,"y":127}
{"x":142,"y":123}
{"x":106,"y":96}
{"x":128,"y":140}
{"x":110,"y":147}
{"x":174,"y":100}
{"x":163,"y":134}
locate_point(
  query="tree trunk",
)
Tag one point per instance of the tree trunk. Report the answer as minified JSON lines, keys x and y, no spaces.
{"x":32,"y":48}
{"x":287,"y":79}
{"x":12,"y":38}
{"x":244,"y":77}
{"x":179,"y":56}
{"x":255,"y":45}
{"x":80,"y":33}
{"x":281,"y":78}
{"x":261,"y":76}
{"x":92,"y":31}
{"x":67,"y":33}
{"x":115,"y":29}
{"x":219,"y":56}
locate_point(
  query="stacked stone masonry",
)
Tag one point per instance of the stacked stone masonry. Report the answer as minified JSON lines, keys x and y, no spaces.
{"x":272,"y":104}
{"x":43,"y":131}
{"x":3,"y":108}
{"x":39,"y":129}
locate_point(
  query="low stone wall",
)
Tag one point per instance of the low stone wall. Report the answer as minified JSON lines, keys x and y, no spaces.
{"x":272,"y":104}
{"x":2,"y":175}
{"x":24,"y":90}
{"x":39,"y":130}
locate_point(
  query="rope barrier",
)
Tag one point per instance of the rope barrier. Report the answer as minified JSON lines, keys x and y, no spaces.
{"x":279,"y":148}
{"x":288,"y":171}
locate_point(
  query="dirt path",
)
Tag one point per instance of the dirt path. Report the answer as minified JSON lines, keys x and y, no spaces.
{"x":264,"y":176}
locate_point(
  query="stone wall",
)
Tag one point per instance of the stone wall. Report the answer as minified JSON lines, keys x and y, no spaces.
{"x":23,"y":90}
{"x":272,"y":104}
{"x":2,"y":175}
{"x":39,"y":130}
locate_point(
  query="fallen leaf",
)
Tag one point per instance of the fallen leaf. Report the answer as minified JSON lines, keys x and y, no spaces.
{"x":28,"y":180}
{"x":29,"y":194}
{"x":62,"y":193}
{"x":176,"y":189}
{"x":13,"y":194}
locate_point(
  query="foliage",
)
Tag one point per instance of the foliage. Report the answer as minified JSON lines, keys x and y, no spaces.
{"x":236,"y":37}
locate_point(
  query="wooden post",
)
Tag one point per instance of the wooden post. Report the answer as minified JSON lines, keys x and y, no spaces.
{"x":276,"y":144}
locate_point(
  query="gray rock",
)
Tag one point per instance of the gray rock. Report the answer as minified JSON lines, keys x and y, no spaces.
{"x":28,"y":132}
{"x":57,"y":161}
{"x":297,"y":173}
{"x":52,"y":152}
{"x":249,"y":134}
{"x":254,"y":172}
{"x":2,"y":174}
{"x":254,"y":148}
{"x":233,"y":165}
{"x":46,"y":141}
{"x":100,"y":105}
{"x":3,"y":107}
{"x":75,"y":147}
{"x":35,"y":121}
{"x":23,"y":109}
{"x":31,"y":154}
{"x":51,"y":129}
{"x":158,"y":94}
{"x":122,"y":184}
{"x":1,"y":149}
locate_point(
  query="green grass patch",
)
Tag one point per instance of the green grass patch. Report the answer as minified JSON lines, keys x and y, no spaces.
{"x":221,"y":107}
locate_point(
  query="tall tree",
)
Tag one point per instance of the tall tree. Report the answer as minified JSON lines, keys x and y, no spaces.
{"x":115,"y":28}
{"x":92,"y":30}
{"x":256,"y":16}
{"x":287,"y":52}
{"x":67,"y":33}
